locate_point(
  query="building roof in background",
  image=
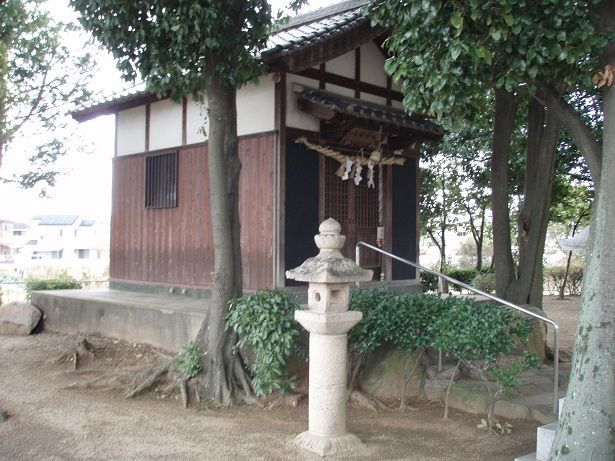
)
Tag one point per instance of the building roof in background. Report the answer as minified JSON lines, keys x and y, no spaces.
{"x":300,"y":32}
{"x":55,"y":220}
{"x":87,"y":222}
{"x":20,"y":226}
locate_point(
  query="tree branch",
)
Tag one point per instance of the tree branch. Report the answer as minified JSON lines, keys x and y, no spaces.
{"x":578,"y":130}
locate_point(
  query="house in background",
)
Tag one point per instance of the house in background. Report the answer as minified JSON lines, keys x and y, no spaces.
{"x":52,"y":243}
{"x":12,"y":240}
{"x":323,"y":107}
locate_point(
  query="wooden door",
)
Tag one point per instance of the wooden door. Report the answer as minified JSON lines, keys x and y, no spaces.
{"x":355,"y":208}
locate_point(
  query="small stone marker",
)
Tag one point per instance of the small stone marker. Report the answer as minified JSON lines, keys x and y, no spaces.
{"x":328,"y":320}
{"x":18,"y":318}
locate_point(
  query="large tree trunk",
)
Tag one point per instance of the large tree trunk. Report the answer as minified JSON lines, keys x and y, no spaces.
{"x":219,"y":363}
{"x":505,"y":109}
{"x":534,"y":215}
{"x":586,"y":428}
{"x":524,"y":285}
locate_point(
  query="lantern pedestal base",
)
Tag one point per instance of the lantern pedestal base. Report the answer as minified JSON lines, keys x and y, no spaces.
{"x":328,"y":446}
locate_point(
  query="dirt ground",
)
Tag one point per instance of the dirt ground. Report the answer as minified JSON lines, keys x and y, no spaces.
{"x":566,"y":314}
{"x":53,"y":416}
{"x":50,"y":418}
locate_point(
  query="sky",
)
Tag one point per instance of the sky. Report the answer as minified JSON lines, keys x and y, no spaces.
{"x":85,"y":186}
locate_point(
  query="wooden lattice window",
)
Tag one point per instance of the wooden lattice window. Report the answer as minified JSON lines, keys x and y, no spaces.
{"x":336,"y":193}
{"x":161,"y":180}
{"x":366,"y":202}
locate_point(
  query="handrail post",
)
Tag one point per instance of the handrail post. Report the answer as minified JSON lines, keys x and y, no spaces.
{"x":357,"y":256}
{"x":555,"y":368}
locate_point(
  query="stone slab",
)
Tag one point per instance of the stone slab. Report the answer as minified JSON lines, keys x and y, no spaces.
{"x":165,"y":321}
{"x":530,"y":457}
{"x":544,"y":440}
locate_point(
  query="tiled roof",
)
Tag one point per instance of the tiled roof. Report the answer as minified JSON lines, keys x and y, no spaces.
{"x":368,"y":111}
{"x":307,"y":29}
{"x":299,"y":32}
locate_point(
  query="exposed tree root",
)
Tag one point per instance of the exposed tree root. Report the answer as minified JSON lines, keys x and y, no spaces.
{"x":82,"y":349}
{"x":360,"y":400}
{"x":183,"y":388}
{"x":151,"y":378}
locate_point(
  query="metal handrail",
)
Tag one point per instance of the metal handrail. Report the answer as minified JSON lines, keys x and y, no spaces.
{"x":489,"y":296}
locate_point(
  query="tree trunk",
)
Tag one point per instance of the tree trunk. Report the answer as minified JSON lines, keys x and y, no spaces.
{"x":479,"y":242}
{"x":586,"y":428}
{"x":534,"y":213}
{"x":217,"y":383}
{"x":505,"y":108}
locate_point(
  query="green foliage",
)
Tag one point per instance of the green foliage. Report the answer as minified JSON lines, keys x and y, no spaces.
{"x":429,"y":281}
{"x":371,"y":331}
{"x":478,"y":335}
{"x":465,"y":275}
{"x":448,"y":53}
{"x":476,"y":331}
{"x":61,"y":282}
{"x":264,"y":323}
{"x":40,"y":78}
{"x":485,"y":282}
{"x":179,"y":47}
{"x":190,"y":360}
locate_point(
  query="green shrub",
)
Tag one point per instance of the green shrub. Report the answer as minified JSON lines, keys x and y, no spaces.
{"x":429,"y":281}
{"x":190,"y":360}
{"x":61,"y":282}
{"x":554,"y":278}
{"x":264,"y":322}
{"x":485,"y":281}
{"x":463,"y":275}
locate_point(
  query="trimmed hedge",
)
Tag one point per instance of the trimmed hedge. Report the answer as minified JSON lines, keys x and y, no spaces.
{"x":61,"y":282}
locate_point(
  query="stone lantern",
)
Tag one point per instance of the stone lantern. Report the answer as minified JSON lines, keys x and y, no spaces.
{"x":328,"y":321}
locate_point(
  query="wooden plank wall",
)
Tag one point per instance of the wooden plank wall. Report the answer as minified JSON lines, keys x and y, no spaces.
{"x":174,"y":246}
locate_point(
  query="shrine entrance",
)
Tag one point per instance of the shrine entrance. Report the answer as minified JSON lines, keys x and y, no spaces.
{"x":355,"y":207}
{"x":360,"y":168}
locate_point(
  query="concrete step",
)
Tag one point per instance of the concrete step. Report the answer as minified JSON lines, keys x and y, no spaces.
{"x":544,"y":440}
{"x":160,"y":320}
{"x":530,"y":457}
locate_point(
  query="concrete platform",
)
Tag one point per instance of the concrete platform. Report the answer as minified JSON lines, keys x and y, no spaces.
{"x":161,"y":320}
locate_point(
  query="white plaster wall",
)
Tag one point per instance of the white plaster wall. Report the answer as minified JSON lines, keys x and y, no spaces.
{"x":342,"y":65}
{"x":196,"y":117}
{"x":373,"y":98}
{"x":340,"y":90}
{"x":256,"y":107}
{"x":130,"y":135}
{"x":294,"y":117}
{"x":372,"y":65}
{"x":165,"y":124}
